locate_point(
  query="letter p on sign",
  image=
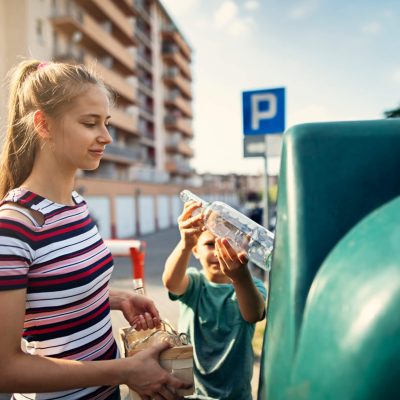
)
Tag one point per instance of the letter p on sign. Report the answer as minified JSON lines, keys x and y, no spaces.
{"x":264,"y":111}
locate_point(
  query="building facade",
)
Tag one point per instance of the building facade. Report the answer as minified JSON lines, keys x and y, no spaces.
{"x":136,"y":47}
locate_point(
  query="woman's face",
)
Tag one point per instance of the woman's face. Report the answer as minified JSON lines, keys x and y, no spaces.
{"x":78,"y":138}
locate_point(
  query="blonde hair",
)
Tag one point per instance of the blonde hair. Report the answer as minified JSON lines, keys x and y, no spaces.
{"x":49,"y":87}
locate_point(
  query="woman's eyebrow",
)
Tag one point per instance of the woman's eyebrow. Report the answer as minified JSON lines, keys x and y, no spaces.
{"x":95,"y":115}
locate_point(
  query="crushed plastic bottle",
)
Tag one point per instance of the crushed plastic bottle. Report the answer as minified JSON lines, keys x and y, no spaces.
{"x":242,"y":233}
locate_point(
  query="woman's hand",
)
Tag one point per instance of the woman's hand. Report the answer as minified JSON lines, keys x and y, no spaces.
{"x":149,"y":379}
{"x":190,"y":227}
{"x":138,"y":310}
{"x":233,"y":264}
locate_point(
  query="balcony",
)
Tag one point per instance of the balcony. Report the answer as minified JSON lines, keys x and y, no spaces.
{"x":172,"y":55}
{"x":145,"y":86}
{"x":118,"y":83}
{"x":179,"y":124}
{"x":121,"y":154}
{"x":171,"y":34}
{"x":143,"y":37}
{"x":124,"y":121}
{"x":72,"y":20}
{"x":69,"y":53}
{"x":173,"y":77}
{"x":146,"y":113}
{"x":177,"y":166}
{"x":144,"y":62}
{"x":185,"y":149}
{"x":142,"y":10}
{"x":175,"y":144}
{"x":123,"y":27}
{"x":174,"y":99}
{"x":125,"y":6}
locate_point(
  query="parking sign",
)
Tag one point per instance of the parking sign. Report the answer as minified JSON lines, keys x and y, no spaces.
{"x":264,"y":111}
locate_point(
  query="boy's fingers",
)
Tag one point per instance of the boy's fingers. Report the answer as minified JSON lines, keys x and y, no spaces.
{"x":189,"y":207}
{"x":227,"y":249}
{"x":243,"y":258}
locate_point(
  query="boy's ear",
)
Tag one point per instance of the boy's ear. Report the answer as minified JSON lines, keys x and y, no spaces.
{"x":195,"y":252}
{"x":41,"y":125}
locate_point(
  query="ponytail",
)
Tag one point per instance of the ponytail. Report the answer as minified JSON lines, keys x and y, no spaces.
{"x":18,"y":151}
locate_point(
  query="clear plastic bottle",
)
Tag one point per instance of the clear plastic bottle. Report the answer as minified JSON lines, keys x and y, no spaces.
{"x":242,"y":232}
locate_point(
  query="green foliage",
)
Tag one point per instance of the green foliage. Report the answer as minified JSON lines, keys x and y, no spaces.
{"x":395,"y":113}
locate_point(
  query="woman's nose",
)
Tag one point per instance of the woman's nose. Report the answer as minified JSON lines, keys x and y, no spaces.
{"x":105,"y":137}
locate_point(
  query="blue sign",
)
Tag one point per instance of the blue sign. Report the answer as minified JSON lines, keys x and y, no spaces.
{"x":264,"y":111}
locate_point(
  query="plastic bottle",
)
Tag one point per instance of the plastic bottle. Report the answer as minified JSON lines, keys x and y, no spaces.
{"x":242,"y":232}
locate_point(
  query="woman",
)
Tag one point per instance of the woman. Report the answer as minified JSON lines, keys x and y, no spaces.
{"x":54,"y":266}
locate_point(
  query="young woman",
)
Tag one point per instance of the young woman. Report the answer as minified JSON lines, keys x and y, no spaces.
{"x":54,"y":266}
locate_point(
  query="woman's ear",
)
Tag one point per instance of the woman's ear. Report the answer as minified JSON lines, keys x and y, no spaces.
{"x":41,"y":125}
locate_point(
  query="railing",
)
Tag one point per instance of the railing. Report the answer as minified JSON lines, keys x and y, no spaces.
{"x":136,"y":249}
{"x":132,"y":154}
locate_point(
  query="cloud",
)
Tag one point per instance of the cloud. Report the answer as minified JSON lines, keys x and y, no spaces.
{"x":251,"y":5}
{"x":228,"y":18}
{"x":396,"y":76}
{"x":225,"y":14}
{"x":304,"y":9}
{"x":179,"y":8}
{"x":372,"y":28}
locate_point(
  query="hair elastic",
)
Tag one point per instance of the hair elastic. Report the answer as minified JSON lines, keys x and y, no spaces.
{"x":43,"y":64}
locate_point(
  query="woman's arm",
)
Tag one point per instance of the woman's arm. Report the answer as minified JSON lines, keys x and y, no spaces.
{"x":27,"y":373}
{"x":138,"y":310}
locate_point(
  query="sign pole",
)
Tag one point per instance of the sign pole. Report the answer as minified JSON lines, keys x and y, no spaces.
{"x":265,"y":196}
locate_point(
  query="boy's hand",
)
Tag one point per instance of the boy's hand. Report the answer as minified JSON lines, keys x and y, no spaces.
{"x":190,"y":227}
{"x":233,"y":264}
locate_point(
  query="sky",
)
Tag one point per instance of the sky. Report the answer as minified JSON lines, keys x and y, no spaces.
{"x":337,"y":60}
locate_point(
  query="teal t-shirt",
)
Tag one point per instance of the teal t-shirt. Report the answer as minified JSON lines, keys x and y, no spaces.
{"x":221,"y":338}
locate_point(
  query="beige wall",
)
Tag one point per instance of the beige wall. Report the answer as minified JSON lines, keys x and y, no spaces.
{"x":2,"y":68}
{"x":13,"y":21}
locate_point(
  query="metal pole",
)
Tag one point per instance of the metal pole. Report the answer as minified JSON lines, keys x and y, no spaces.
{"x":265,"y":197}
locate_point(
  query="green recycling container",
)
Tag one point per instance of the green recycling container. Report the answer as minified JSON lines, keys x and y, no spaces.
{"x":329,"y":334}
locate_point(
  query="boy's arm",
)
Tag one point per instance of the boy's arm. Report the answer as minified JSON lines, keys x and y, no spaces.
{"x":250,"y":300}
{"x":234,"y":265}
{"x":174,"y":277}
{"x":190,"y":227}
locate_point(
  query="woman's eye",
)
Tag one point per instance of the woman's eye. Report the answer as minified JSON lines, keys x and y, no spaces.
{"x":89,"y":124}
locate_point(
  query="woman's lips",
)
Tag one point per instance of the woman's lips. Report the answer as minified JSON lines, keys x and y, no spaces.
{"x":97,"y":153}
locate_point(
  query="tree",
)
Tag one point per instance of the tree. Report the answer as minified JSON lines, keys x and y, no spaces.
{"x":395,"y":113}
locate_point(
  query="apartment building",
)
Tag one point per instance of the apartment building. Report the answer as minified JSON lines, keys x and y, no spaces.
{"x":144,"y":58}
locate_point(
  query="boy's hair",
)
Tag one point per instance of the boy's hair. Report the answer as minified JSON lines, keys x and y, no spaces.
{"x":48,"y":87}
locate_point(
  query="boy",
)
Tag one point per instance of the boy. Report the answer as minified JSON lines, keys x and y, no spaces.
{"x":219,"y":308}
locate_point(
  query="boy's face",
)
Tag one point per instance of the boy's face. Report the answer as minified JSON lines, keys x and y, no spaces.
{"x":204,"y":251}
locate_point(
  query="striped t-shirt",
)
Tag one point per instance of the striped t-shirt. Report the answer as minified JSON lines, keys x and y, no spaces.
{"x":65,"y":268}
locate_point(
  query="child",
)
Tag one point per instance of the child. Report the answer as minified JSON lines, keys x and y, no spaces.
{"x":54,"y":266}
{"x":219,"y":308}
